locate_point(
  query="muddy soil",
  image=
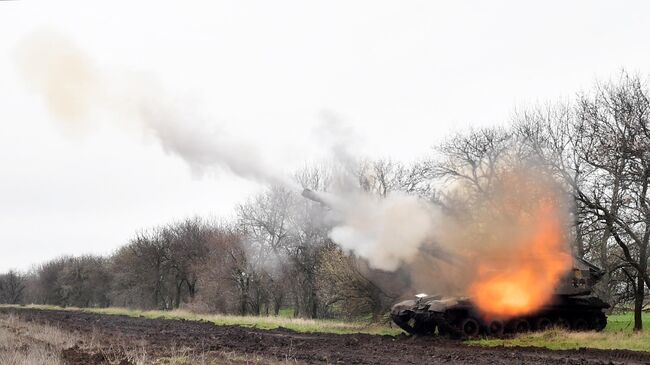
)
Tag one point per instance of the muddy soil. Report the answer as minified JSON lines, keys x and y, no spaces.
{"x":159,"y":336}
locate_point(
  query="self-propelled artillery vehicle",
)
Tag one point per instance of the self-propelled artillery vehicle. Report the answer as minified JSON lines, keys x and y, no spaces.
{"x":572,"y":306}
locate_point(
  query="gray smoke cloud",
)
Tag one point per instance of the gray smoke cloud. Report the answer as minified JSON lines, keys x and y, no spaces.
{"x":486,"y":245}
{"x":74,"y":89}
{"x":511,"y":235}
{"x":386,"y":231}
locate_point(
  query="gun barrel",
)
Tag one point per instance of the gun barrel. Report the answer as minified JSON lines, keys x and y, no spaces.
{"x":309,"y":194}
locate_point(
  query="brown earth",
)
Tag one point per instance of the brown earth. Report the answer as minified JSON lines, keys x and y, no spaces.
{"x":158,"y":337}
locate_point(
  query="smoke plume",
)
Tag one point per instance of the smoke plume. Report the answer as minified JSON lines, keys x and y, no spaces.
{"x":74,"y":89}
{"x":64,"y":76}
{"x":506,"y":246}
{"x":507,"y":242}
{"x":386,"y":231}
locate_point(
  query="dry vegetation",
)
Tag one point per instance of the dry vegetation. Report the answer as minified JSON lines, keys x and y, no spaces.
{"x":28,"y":343}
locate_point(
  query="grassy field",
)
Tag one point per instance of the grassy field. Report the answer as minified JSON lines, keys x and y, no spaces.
{"x":617,"y":335}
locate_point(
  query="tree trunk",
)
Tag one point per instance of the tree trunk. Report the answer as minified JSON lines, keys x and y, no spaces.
{"x":244,"y":297}
{"x":579,"y":242}
{"x":606,"y":292}
{"x":276,"y":307}
{"x":638,"y":303}
{"x":314,"y":305}
{"x":191,"y":288}
{"x":156,"y":302}
{"x":242,"y":305}
{"x":177,"y":300}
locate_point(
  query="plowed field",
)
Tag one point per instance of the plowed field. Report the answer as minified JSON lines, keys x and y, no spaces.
{"x":159,"y":338}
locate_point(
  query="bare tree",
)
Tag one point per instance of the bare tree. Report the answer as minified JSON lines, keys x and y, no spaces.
{"x":219,"y":273}
{"x":265,"y":222}
{"x":615,"y":149}
{"x":554,"y":135}
{"x":12,"y":287}
{"x":85,"y":282}
{"x":48,"y":289}
{"x":474,"y":158}
{"x":308,"y":237}
{"x":347,"y":288}
{"x":186,"y":249}
{"x":600,"y":148}
{"x":381,"y":177}
{"x":140,"y":272}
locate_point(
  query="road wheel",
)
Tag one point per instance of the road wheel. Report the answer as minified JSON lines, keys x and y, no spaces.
{"x":579,"y":324}
{"x":599,"y":322}
{"x":496,"y":328}
{"x":424,"y":328}
{"x":469,"y":327}
{"x":543,"y":323}
{"x":442,"y":331}
{"x":405,"y":321}
{"x":562,"y":323}
{"x":519,"y":325}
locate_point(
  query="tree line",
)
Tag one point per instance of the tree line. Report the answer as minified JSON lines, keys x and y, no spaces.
{"x":276,"y":253}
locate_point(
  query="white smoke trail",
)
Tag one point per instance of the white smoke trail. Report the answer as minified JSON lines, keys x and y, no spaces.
{"x":73,"y":89}
{"x":386,"y":232}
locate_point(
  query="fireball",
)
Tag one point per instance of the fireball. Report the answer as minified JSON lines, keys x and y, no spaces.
{"x":523,"y":279}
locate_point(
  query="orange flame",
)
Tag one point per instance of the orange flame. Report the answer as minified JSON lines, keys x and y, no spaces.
{"x":524,"y":281}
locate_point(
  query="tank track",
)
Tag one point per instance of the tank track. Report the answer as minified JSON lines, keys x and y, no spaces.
{"x":462,"y":320}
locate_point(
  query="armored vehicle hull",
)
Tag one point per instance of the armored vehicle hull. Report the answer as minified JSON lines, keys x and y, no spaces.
{"x":571,"y":307}
{"x":459,"y":317}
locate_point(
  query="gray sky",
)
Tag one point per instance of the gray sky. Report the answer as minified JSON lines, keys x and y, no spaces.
{"x":401,"y":74}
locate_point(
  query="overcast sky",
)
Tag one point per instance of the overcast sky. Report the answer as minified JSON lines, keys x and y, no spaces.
{"x":401,"y":74}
